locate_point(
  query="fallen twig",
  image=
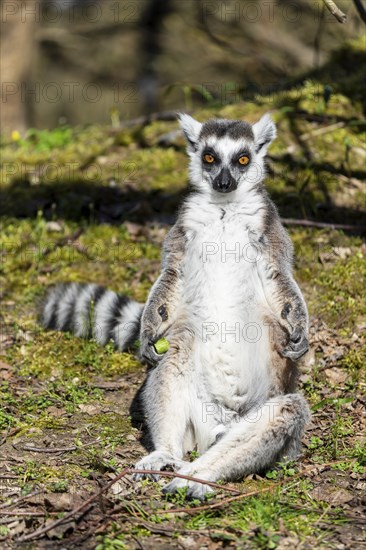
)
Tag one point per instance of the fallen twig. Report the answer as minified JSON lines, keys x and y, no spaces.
{"x":321,"y":225}
{"x":235,"y":498}
{"x":182,"y":476}
{"x":165,"y":116}
{"x":29,"y":513}
{"x":20,"y":499}
{"x":55,"y":449}
{"x":334,"y":10}
{"x":361,"y":10}
{"x":322,"y":130}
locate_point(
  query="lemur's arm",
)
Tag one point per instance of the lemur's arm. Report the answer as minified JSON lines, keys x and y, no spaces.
{"x":281,"y":290}
{"x":165,"y":294}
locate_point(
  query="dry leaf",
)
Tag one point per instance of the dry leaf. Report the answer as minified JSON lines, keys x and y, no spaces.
{"x":58,"y":502}
{"x":336,"y":376}
{"x":89,"y":409}
{"x":332,"y":495}
{"x":60,"y":531}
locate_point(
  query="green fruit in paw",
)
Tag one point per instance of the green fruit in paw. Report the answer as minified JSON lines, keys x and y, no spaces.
{"x":161,"y":346}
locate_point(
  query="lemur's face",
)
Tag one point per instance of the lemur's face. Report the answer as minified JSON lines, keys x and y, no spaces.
{"x":227,"y":155}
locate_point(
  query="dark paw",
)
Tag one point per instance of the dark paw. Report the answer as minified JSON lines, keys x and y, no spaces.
{"x":150,"y":355}
{"x":297,"y":346}
{"x":194,"y":490}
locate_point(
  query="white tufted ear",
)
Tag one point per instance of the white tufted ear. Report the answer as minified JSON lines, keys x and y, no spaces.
{"x":191,"y":129}
{"x":264,"y":133}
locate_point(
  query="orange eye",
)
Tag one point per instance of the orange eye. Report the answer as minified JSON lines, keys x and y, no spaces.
{"x":209,"y":158}
{"x":244,"y":160}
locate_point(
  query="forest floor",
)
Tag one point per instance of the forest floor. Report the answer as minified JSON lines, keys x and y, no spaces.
{"x":94,"y":204}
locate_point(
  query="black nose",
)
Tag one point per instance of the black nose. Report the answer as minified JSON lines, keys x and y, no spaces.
{"x":224,"y":182}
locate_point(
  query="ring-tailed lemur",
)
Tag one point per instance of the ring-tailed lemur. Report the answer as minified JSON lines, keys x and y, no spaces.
{"x":227,"y":302}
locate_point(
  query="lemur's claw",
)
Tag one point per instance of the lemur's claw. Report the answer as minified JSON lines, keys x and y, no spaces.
{"x":297,"y":346}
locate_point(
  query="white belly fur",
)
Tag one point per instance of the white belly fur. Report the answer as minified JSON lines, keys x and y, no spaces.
{"x":225,"y":304}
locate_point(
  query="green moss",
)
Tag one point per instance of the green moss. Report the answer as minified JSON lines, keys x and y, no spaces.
{"x":65,"y":357}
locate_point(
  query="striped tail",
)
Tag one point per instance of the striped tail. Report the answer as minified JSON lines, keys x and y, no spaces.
{"x":91,"y":311}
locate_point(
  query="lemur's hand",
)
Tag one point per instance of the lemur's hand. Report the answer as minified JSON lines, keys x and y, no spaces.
{"x":297,"y":346}
{"x":296,"y":325}
{"x":154,"y":326}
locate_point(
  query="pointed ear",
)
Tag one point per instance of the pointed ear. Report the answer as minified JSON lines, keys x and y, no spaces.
{"x":264,"y":133}
{"x":191,"y":130}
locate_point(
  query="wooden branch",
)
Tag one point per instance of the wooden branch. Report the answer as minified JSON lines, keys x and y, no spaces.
{"x":31,"y":449}
{"x":334,"y":10}
{"x":323,"y":130}
{"x":361,"y":9}
{"x":189,"y":478}
{"x":144,"y":120}
{"x":322,"y":225}
{"x":20,"y":499}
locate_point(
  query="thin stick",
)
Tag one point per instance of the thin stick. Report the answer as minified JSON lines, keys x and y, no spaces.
{"x":20,"y":499}
{"x":189,"y":478}
{"x":361,"y":10}
{"x":56,"y":449}
{"x":321,"y":225}
{"x":165,"y":116}
{"x":30,"y":513}
{"x":222,"y":502}
{"x":334,"y":10}
{"x":228,"y":500}
{"x":323,"y":130}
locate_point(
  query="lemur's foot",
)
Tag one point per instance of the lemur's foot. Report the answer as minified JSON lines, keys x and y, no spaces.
{"x":157,"y":460}
{"x":297,"y":346}
{"x":194,"y":489}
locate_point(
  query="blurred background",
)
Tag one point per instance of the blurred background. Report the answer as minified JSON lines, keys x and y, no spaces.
{"x":80,"y":61}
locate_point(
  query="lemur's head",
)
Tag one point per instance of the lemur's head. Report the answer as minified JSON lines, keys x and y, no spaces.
{"x":227,"y":155}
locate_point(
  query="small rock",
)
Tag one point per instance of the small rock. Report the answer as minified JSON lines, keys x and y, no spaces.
{"x":332,"y":495}
{"x":60,"y":531}
{"x":342,"y":252}
{"x":53,"y":227}
{"x":89,"y":409}
{"x":58,"y":502}
{"x":336,"y":376}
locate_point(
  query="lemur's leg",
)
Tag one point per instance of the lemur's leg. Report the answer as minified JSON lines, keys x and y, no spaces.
{"x":167,"y":402}
{"x":251,"y":444}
